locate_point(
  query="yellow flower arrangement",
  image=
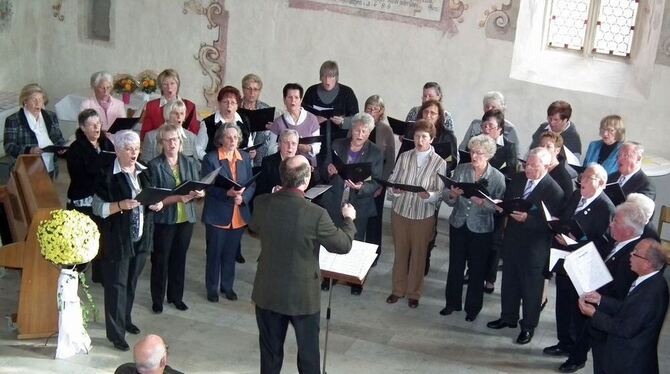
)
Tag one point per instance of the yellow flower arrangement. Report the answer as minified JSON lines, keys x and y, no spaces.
{"x":68,"y":238}
{"x":125,"y":83}
{"x":148,"y":81}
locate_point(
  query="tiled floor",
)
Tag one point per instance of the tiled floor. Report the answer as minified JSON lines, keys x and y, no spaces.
{"x":366,"y":334}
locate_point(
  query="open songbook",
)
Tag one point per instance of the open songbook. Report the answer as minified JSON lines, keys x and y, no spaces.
{"x":351,"y":267}
{"x":227,"y":183}
{"x":400,"y":127}
{"x":152,"y":195}
{"x":400,"y":186}
{"x":586,"y":269}
{"x":258,"y":118}
{"x":469,"y":189}
{"x":565,"y":227}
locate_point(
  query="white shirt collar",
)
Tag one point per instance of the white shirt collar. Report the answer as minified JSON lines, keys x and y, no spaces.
{"x":590,"y":200}
{"x":301,"y":117}
{"x":643,"y":278}
{"x":567,"y":126}
{"x":117,"y":167}
{"x":620,"y":245}
{"x":219,"y":118}
{"x":500,"y":141}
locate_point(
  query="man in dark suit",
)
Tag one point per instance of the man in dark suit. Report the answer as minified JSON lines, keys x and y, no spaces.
{"x":526,"y":245}
{"x":286,"y":287}
{"x":626,"y":230}
{"x":592,"y":210}
{"x":269,"y":179}
{"x":630,"y":175}
{"x":633,"y":324}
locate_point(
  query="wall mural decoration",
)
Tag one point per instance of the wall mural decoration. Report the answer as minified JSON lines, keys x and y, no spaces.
{"x":663,"y":53}
{"x":5,"y":14}
{"x":440,"y":14}
{"x":212,"y":57}
{"x":500,"y":21}
{"x":57,"y":10}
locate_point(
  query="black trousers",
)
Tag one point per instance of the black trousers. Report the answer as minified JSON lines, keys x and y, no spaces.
{"x":471,"y":247}
{"x":168,"y":261}
{"x":120,"y":281}
{"x":272,"y":329}
{"x":493,"y":258}
{"x":521,"y":281}
{"x":570,"y":323}
{"x":374,"y":228}
{"x":220,"y":252}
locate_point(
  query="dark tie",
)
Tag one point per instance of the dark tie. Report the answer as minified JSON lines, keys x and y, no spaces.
{"x":528,"y":189}
{"x":581,"y":204}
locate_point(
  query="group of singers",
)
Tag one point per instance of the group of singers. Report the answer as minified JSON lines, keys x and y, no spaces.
{"x":324,"y":124}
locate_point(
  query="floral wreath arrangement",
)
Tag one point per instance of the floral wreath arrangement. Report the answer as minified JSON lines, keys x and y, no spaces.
{"x":147,"y":81}
{"x":67,"y":239}
{"x":125,"y":83}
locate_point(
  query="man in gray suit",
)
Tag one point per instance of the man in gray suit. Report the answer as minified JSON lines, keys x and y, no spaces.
{"x":286,"y":288}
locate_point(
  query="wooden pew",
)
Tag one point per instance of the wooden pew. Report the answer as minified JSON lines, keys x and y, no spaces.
{"x":28,"y":198}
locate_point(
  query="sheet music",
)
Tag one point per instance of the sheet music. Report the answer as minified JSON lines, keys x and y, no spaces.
{"x":555,"y":255}
{"x":568,"y":240}
{"x":356,"y":263}
{"x":321,"y":109}
{"x":586,"y":269}
{"x":571,"y":158}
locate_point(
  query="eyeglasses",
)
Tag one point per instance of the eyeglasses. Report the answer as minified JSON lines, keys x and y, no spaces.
{"x":489,"y":126}
{"x":252,"y":89}
{"x":634,"y":253}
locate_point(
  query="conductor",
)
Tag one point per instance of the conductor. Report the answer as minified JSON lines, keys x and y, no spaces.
{"x":286,"y":289}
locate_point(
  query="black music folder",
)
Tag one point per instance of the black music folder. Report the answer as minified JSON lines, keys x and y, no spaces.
{"x":227,"y":183}
{"x":54,"y":148}
{"x":318,"y":111}
{"x":566,"y":227}
{"x":400,"y":186}
{"x":400,"y":127}
{"x":311,"y":139}
{"x":258,"y":118}
{"x":123,"y":124}
{"x":442,"y":149}
{"x":469,"y":189}
{"x":186,"y":187}
{"x":251,"y":147}
{"x":463,"y":157}
{"x":615,"y":193}
{"x":152,"y":195}
{"x":356,"y":172}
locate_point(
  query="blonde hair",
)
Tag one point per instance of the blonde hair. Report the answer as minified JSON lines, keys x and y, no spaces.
{"x":30,"y":89}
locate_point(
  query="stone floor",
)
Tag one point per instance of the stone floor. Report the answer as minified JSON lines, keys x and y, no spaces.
{"x":366,"y":334}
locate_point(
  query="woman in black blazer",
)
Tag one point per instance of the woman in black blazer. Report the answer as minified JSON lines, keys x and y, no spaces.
{"x":87,"y":157}
{"x":173,"y":225}
{"x":126,"y":231}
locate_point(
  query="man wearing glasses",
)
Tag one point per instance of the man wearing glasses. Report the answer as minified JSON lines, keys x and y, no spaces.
{"x":634,"y":324}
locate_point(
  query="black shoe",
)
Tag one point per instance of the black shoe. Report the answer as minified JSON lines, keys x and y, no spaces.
{"x":157,"y":308}
{"x":413,"y":303}
{"x":488,"y":289}
{"x":230,"y":295}
{"x":524,"y":337}
{"x":470,"y":318}
{"x":214,"y":298}
{"x":180,"y":305}
{"x":392,"y":299}
{"x":500,"y":324}
{"x":325,"y":285}
{"x":121,"y":345}
{"x":556,"y":350}
{"x":447,"y":310}
{"x":132,"y":329}
{"x":240,"y":259}
{"x":356,"y":290}
{"x":570,"y":367}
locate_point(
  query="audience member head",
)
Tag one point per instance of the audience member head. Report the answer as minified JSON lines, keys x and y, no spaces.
{"x":251,"y":87}
{"x":558,"y":115}
{"x":493,"y":123}
{"x":89,"y":124}
{"x":102,"y":83}
{"x":538,"y":163}
{"x":174,"y":112}
{"x":127,"y":147}
{"x":612,"y":129}
{"x":431,"y":91}
{"x":33,"y":98}
{"x":228,"y":137}
{"x":494,"y":100}
{"x":229,"y":99}
{"x":647,"y":257}
{"x":630,"y":157}
{"x":482,"y":147}
{"x":288,"y":143}
{"x":374,"y":106}
{"x":329,"y":74}
{"x":592,"y":180}
{"x":295,"y":172}
{"x":150,"y":355}
{"x":168,"y":82}
{"x":361,"y":127}
{"x":424,"y":133}
{"x":432,"y":112}
{"x":170,"y":139}
{"x":553,"y":143}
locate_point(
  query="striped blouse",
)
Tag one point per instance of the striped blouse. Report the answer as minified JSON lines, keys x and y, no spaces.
{"x":407,"y":171}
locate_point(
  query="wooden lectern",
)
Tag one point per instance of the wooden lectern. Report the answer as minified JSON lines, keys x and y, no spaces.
{"x":28,"y":198}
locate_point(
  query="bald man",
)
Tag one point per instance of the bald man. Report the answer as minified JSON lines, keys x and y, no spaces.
{"x":150,"y":355}
{"x":286,"y":288}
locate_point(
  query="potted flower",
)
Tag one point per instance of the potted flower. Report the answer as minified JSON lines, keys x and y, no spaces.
{"x":67,"y":239}
{"x":125,"y":84}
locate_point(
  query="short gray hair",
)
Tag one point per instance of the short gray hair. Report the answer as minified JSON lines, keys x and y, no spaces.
{"x":639,"y":149}
{"x":643,"y":202}
{"x":633,"y":216}
{"x":485,"y":143}
{"x":124,"y":138}
{"x":363,"y":119}
{"x":100,"y":76}
{"x":598,"y":171}
{"x":655,"y":254}
{"x":172,"y":106}
{"x":541,"y":153}
{"x":494,"y":96}
{"x":218,"y":135}
{"x":287,"y":133}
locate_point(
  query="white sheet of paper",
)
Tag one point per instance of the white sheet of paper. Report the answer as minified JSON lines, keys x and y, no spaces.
{"x":586,"y":269}
{"x":321,"y":108}
{"x":356,"y":263}
{"x":571,"y":158}
{"x":555,"y":255}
